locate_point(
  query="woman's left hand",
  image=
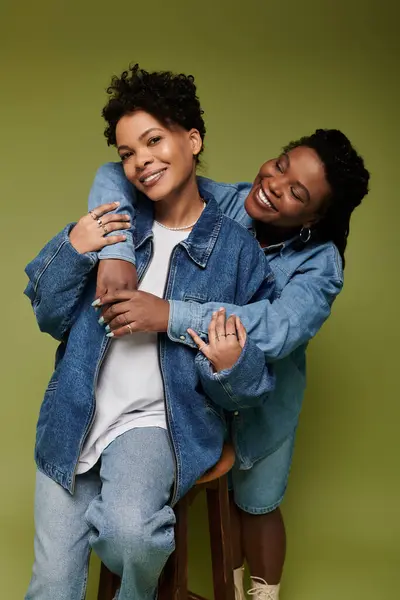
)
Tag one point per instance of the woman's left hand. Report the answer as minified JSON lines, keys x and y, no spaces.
{"x":226,"y":339}
{"x":127,"y":312}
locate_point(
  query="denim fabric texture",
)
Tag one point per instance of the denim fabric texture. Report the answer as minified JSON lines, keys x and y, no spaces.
{"x":62,"y":287}
{"x":308,"y":277}
{"x":119,"y":509}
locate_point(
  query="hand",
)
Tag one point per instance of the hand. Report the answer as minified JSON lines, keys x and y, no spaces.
{"x":226,"y":339}
{"x":114,"y":275}
{"x":133,"y":311}
{"x":89,"y":233}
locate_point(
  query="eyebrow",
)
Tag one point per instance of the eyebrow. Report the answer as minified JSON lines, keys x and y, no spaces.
{"x":286,"y":155}
{"x":149,"y":131}
{"x":141,"y":136}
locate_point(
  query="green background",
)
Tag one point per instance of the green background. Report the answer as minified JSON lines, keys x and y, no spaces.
{"x":267,"y":72}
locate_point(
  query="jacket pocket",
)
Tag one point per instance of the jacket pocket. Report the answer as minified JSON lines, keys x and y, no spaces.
{"x":46,"y":407}
{"x":214,"y":410}
{"x":200,"y":298}
{"x":52,"y":386}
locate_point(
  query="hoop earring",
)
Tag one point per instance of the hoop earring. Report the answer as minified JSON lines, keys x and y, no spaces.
{"x":305,"y":235}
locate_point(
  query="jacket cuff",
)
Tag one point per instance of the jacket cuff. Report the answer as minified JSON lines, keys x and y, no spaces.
{"x":121,"y":250}
{"x":60,"y":250}
{"x":245,"y":385}
{"x":183,"y":315}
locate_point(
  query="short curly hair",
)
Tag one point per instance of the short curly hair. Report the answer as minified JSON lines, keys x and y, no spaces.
{"x":348,"y":179}
{"x":170,"y":98}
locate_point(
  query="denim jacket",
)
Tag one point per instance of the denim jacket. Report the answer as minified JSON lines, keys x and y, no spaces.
{"x":308,"y":278}
{"x":61,"y":288}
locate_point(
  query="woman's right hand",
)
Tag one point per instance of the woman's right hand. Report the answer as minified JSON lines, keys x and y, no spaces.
{"x":226,"y":340}
{"x":90,"y":232}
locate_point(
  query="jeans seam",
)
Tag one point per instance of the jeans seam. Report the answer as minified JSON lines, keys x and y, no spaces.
{"x":85,"y":579}
{"x":260,"y":511}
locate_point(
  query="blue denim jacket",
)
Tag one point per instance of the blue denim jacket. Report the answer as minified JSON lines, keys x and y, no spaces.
{"x":308,"y":278}
{"x":61,"y":288}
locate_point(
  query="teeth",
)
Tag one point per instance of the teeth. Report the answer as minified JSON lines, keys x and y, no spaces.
{"x":153,"y":176}
{"x":264,"y":198}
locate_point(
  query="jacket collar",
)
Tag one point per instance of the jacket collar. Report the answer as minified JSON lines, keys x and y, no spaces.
{"x":287,"y":244}
{"x":293,"y":244}
{"x":201,"y":240}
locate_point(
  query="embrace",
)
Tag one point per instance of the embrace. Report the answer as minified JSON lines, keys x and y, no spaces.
{"x":183,"y":308}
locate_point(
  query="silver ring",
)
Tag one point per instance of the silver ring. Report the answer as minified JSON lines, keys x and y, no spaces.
{"x":105,"y":229}
{"x":130,"y":328}
{"x":99,"y":222}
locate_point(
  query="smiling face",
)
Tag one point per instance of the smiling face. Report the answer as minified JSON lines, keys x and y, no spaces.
{"x":289,"y":192}
{"x":158,"y":160}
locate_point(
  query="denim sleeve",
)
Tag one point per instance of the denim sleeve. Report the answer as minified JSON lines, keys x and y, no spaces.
{"x":230,"y":197}
{"x":111,"y":185}
{"x":57,"y":277}
{"x":250,"y":380}
{"x":246,"y":385}
{"x":277,"y":327}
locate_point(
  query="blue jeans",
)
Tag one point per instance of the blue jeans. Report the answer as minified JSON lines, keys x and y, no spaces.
{"x":119,"y":508}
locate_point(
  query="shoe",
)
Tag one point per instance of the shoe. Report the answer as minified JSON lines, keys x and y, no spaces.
{"x":263,"y":591}
{"x":238,"y":575}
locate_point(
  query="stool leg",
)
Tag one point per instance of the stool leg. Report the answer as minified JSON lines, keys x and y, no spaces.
{"x":108,"y":585}
{"x":220,"y":540}
{"x":174,"y":580}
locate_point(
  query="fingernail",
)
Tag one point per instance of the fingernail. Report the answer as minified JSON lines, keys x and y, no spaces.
{"x":101,"y":321}
{"x":214,"y":314}
{"x":108,"y":328}
{"x":96,"y":302}
{"x":221,"y":309}
{"x":117,"y":203}
{"x":110,"y":334}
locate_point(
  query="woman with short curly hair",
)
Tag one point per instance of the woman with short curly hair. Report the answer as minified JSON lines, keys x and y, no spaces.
{"x":126,"y":428}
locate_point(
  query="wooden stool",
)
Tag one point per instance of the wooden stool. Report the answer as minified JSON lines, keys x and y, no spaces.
{"x":174,"y":579}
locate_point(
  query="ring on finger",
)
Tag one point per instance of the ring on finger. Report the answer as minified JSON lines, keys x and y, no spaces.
{"x":130,"y":328}
{"x":127,"y":323}
{"x":231,"y":334}
{"x":105,"y":229}
{"x":99,"y":222}
{"x":93,"y":215}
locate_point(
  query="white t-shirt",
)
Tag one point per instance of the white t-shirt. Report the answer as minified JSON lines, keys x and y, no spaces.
{"x":130,"y":391}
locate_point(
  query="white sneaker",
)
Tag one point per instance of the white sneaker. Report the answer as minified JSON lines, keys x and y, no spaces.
{"x":238,"y":575}
{"x":263,"y":591}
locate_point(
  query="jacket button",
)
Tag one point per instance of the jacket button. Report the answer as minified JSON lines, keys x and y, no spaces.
{"x":182,"y":337}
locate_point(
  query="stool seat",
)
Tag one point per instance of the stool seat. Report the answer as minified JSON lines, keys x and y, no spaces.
{"x":173,"y":583}
{"x":223,"y":466}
